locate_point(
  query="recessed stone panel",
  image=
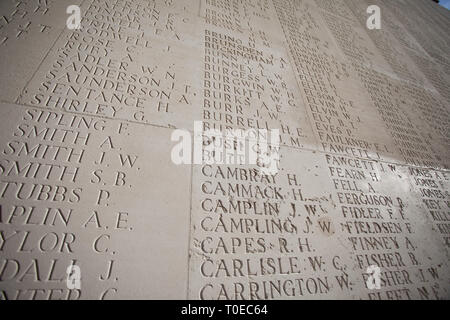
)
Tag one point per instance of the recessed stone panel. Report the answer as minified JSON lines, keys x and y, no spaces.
{"x":28,"y":30}
{"x":133,"y":150}
{"x":87,"y":191}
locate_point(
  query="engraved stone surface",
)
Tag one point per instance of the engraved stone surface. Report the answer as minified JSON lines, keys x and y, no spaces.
{"x":94,"y":206}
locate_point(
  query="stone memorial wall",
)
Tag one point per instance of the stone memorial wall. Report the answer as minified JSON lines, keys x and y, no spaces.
{"x":93,"y":205}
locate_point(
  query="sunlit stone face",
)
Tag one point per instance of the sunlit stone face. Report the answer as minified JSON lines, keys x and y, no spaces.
{"x":224,"y":150}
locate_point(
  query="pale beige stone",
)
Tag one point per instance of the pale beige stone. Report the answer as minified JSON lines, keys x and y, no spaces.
{"x":87,"y":175}
{"x":116,"y":196}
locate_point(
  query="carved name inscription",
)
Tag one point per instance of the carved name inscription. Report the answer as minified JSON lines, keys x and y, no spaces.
{"x":93,"y":206}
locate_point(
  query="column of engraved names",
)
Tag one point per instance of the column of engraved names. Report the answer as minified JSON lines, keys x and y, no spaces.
{"x":71,"y":173}
{"x":261,"y":236}
{"x":390,"y":101}
{"x":337,"y":120}
{"x":382,"y":91}
{"x":433,"y":190}
{"x":241,"y":225}
{"x":111,"y":67}
{"x":25,"y":25}
{"x":247,"y":81}
{"x":385,"y":94}
{"x":56,"y":207}
{"x":430,"y":49}
{"x":414,"y":98}
{"x":365,"y":207}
